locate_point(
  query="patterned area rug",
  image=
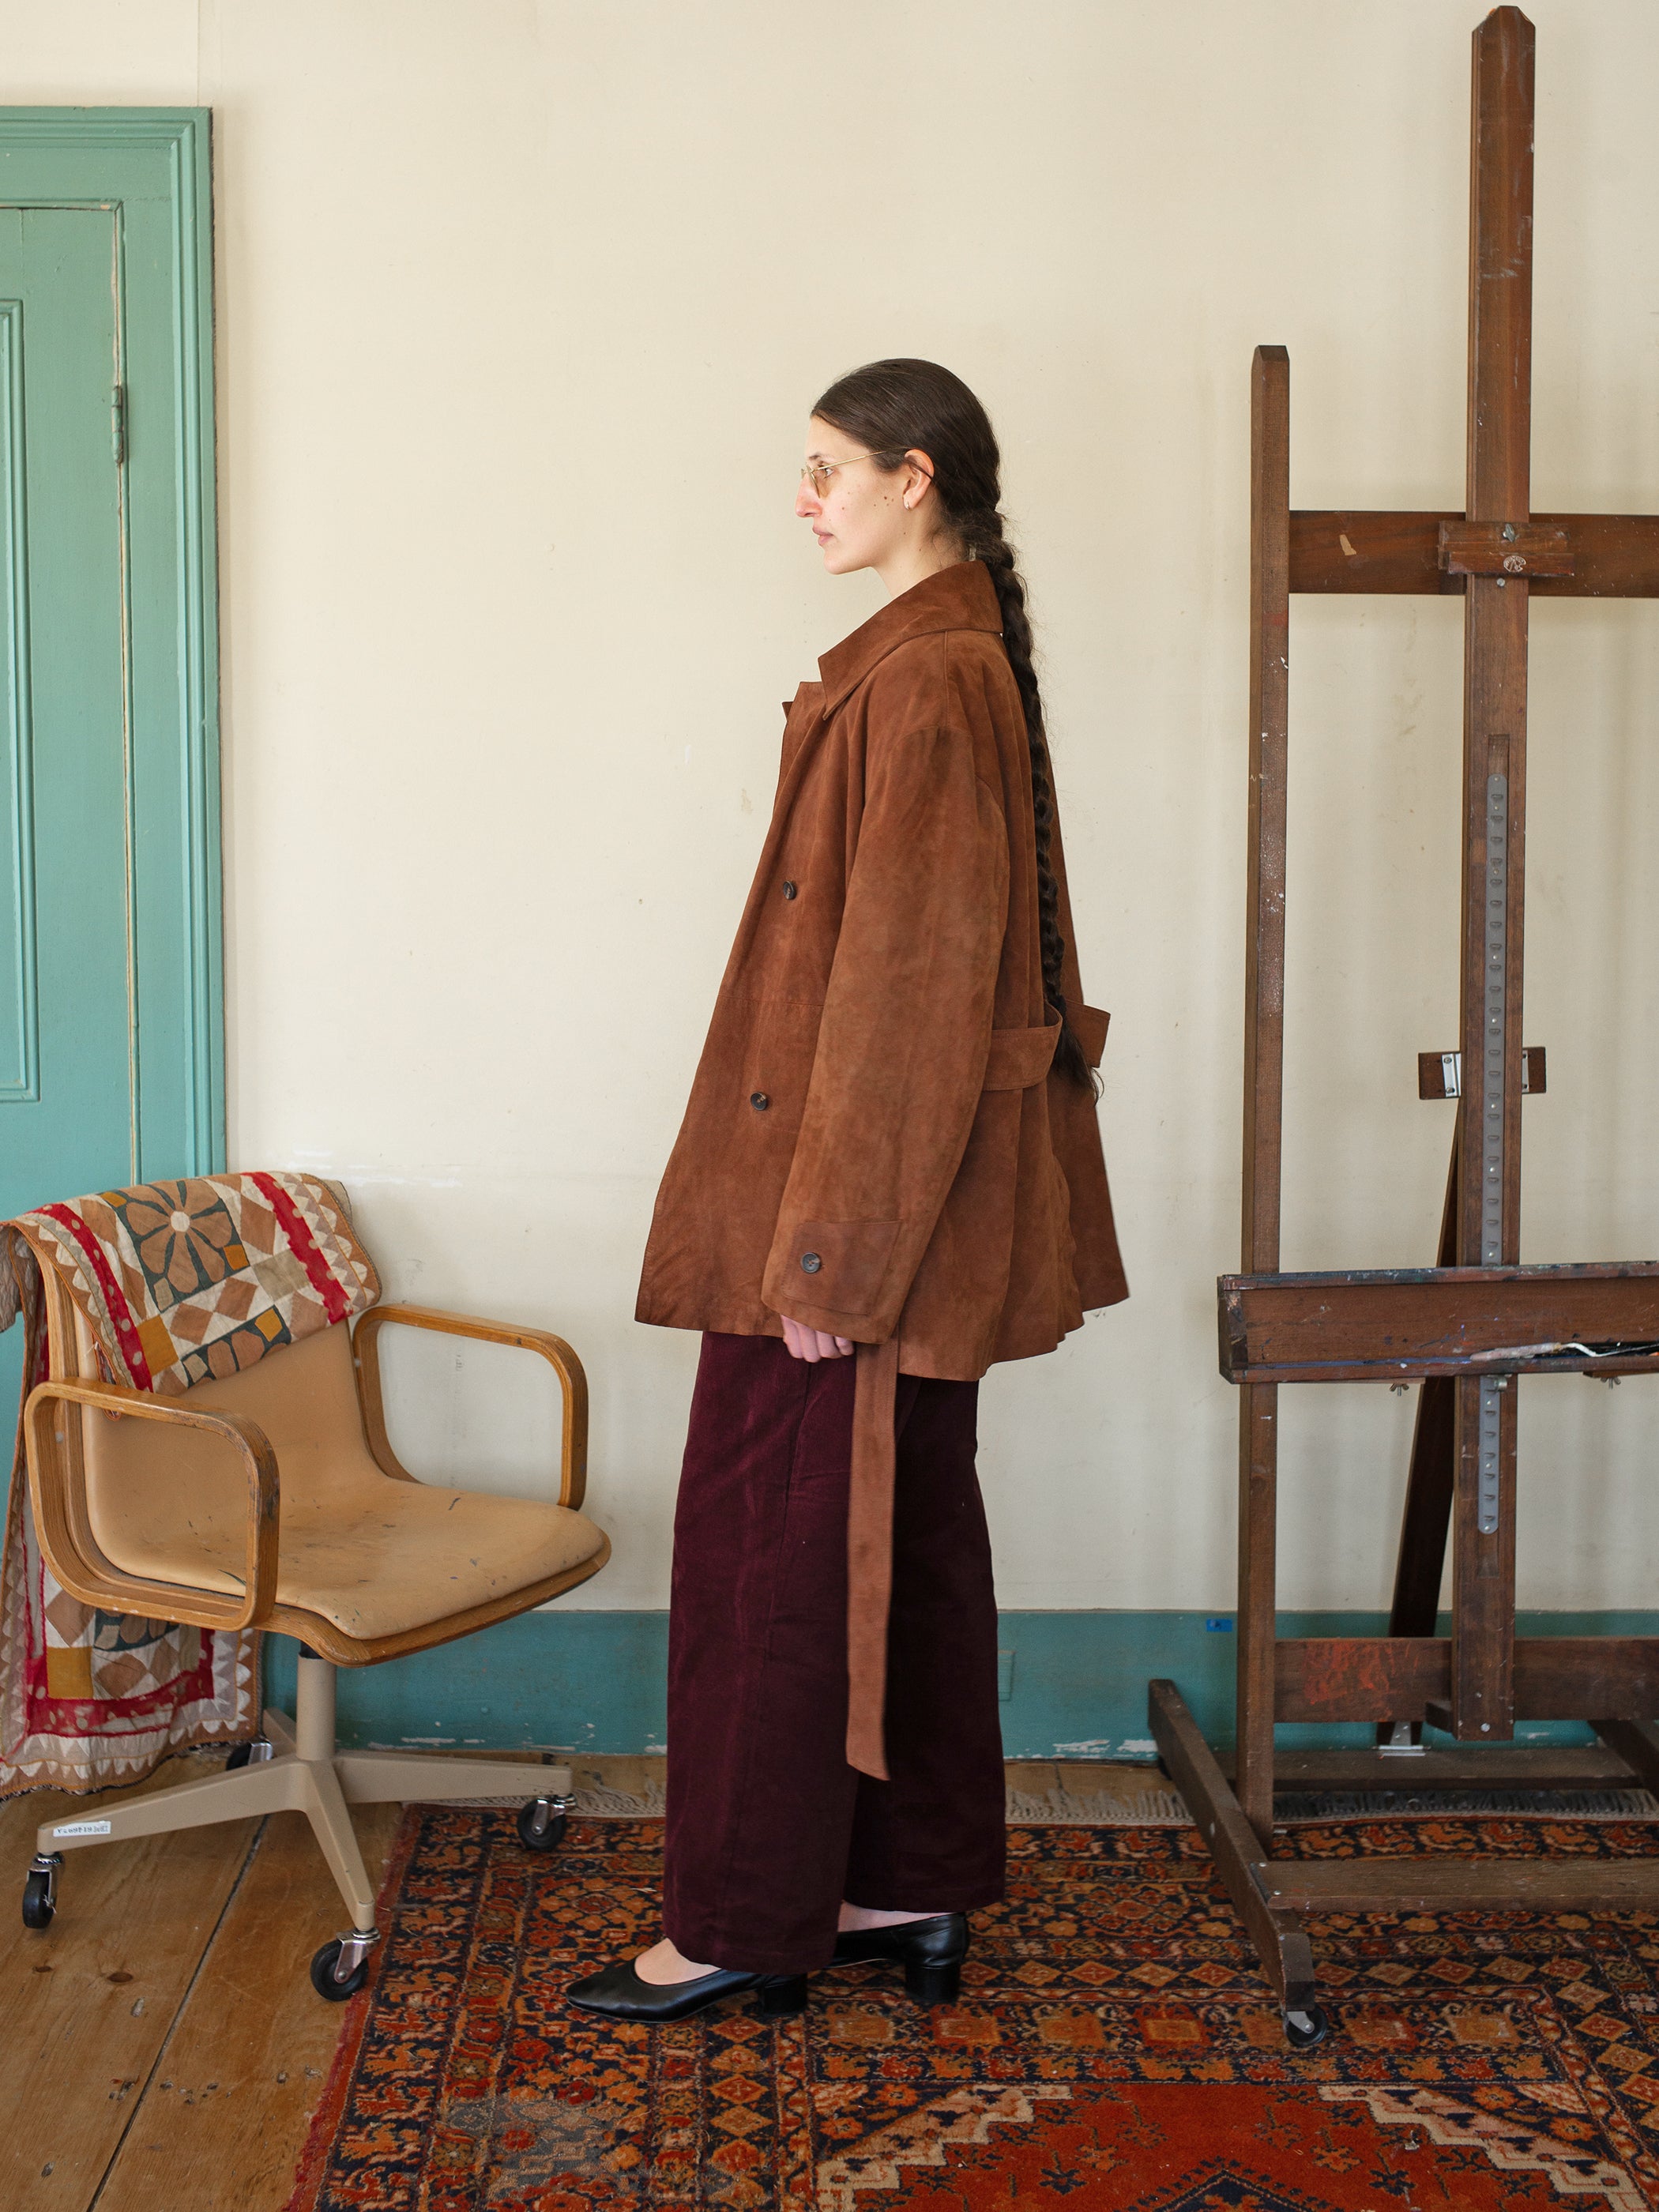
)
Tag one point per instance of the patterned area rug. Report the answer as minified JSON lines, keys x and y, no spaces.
{"x":1114,"y":2046}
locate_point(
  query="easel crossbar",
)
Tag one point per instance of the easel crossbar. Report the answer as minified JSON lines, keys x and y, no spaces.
{"x":1459,"y":1885}
{"x":1614,"y":557}
{"x":1406,"y":1324}
{"x":1404,"y":1678}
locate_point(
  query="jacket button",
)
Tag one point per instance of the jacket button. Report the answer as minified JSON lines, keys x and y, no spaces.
{"x":810,"y":1263}
{"x":789,"y":891}
{"x":759,"y":1101}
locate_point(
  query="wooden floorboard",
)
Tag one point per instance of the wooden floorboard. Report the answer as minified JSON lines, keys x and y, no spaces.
{"x":224,"y":2118}
{"x":86,"y":2004}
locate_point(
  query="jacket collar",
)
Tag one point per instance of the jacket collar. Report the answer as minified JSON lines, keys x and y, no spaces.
{"x":961,"y":597}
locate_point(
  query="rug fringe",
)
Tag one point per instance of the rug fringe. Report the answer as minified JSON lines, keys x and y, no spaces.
{"x":1141,"y":1808}
{"x":1163,"y":1809}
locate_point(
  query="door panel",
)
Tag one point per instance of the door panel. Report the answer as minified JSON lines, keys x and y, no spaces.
{"x":112,"y":1056}
{"x":66,"y":1024}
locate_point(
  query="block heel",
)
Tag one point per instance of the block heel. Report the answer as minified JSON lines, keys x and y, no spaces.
{"x":931,"y":1952}
{"x":782,"y":1996}
{"x":930,"y":1985}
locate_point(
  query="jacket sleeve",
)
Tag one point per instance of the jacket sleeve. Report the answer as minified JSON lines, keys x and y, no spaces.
{"x":903,"y":1041}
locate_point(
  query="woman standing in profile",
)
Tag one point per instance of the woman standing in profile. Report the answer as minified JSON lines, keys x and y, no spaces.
{"x":888,"y":1178}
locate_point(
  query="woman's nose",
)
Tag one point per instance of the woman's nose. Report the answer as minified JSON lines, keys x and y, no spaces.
{"x":805,"y":504}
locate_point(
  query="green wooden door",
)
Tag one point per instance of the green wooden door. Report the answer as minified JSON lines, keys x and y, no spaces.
{"x":110,"y":1050}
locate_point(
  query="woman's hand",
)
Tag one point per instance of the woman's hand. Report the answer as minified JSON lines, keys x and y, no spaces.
{"x":806,"y":1343}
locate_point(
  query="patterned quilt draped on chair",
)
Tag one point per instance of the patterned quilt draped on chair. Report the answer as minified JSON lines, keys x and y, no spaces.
{"x":179,"y":1282}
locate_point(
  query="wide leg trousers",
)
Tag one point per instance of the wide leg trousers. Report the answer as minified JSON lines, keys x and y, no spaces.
{"x":768,"y":1828}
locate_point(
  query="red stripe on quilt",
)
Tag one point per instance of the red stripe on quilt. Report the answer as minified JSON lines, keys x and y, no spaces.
{"x":293,"y":1227}
{"x":120,"y":1312}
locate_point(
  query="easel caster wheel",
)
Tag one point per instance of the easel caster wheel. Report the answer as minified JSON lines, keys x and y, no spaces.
{"x":541,"y":1826}
{"x":1304,"y":2029}
{"x":326,"y":1979}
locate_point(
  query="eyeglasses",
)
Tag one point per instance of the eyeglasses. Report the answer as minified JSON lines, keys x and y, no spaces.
{"x":819,"y":473}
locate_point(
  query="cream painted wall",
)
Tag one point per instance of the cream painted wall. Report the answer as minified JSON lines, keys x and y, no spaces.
{"x":520,"y":309}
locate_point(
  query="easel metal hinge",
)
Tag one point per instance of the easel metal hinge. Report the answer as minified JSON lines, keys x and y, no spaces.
{"x":1505,"y":549}
{"x":1440,"y":1074}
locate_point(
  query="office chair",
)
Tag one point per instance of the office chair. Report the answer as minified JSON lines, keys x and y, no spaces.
{"x":270,"y":1500}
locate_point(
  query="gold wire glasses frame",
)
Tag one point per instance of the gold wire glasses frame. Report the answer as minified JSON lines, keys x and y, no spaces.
{"x":819,"y":473}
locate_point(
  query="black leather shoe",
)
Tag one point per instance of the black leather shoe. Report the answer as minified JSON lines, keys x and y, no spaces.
{"x":931,"y":1952}
{"x":617,"y":1991}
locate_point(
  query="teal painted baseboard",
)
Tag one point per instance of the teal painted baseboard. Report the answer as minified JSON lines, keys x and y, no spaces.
{"x":1074,"y":1684}
{"x":586,"y":1681}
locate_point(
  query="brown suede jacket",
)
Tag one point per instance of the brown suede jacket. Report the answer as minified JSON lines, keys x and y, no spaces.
{"x":874,"y":1143}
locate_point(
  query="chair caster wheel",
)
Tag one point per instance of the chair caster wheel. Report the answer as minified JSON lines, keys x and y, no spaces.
{"x":1304,"y":2029}
{"x":41,"y":1894}
{"x":541,"y":1824}
{"x":326,"y":1977}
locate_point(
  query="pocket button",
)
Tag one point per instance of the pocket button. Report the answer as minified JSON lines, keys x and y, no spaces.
{"x":810,"y":1263}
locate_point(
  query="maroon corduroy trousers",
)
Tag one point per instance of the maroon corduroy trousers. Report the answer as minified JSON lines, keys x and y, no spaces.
{"x":767,"y":1828}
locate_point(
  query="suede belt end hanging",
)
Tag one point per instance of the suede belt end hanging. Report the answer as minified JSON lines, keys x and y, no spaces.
{"x":870,"y":1555}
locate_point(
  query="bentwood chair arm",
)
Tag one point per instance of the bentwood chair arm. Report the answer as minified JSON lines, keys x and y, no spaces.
{"x":572,"y":1383}
{"x":57,"y":1490}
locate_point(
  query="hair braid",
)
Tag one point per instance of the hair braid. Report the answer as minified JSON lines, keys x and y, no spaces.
{"x":984,"y":538}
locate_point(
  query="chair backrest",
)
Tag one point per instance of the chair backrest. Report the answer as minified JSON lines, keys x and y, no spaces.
{"x":148,"y":1481}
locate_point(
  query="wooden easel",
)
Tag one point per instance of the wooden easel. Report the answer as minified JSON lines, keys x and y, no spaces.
{"x":1469,"y":1328}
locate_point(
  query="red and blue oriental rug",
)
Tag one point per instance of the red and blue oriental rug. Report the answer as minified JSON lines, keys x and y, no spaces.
{"x":1114,"y":2046}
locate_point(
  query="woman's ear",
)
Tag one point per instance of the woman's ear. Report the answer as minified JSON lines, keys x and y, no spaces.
{"x":918,"y":478}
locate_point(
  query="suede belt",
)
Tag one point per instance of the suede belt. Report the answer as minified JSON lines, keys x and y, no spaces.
{"x":1018,"y":1060}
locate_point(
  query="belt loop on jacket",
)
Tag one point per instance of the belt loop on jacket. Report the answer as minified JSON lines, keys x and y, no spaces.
{"x":870,"y":1555}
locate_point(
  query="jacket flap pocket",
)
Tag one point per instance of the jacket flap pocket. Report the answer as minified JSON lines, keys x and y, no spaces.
{"x":1020,"y":1057}
{"x":1089,"y":1023}
{"x":840,"y":1264}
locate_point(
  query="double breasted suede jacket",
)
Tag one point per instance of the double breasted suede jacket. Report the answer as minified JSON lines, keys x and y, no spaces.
{"x":875,"y":1143}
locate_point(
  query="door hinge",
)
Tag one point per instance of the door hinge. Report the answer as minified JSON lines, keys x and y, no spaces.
{"x":118,"y":423}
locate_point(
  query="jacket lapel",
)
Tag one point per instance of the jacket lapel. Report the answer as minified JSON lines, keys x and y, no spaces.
{"x":961,"y":597}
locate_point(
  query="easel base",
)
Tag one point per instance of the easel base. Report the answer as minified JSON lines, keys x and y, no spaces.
{"x":1447,"y":1766}
{"x":1272,"y":1894}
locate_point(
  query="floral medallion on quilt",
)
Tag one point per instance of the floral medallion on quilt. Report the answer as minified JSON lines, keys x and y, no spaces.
{"x":179,"y":1282}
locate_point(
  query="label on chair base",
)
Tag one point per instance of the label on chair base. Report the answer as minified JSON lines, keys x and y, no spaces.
{"x":82,"y":1829}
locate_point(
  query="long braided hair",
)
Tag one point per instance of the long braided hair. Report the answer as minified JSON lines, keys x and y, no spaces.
{"x":896,"y":407}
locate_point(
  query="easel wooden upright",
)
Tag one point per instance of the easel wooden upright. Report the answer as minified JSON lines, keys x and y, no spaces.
{"x":1469,"y":1328}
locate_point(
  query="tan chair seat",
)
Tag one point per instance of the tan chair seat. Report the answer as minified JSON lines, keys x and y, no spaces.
{"x":409,"y":1555}
{"x":373,"y":1555}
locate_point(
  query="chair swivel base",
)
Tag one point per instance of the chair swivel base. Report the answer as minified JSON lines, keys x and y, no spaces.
{"x":305,"y":1773}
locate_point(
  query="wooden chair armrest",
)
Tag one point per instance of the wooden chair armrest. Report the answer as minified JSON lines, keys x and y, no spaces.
{"x":573,"y":1382}
{"x":57,"y":1489}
